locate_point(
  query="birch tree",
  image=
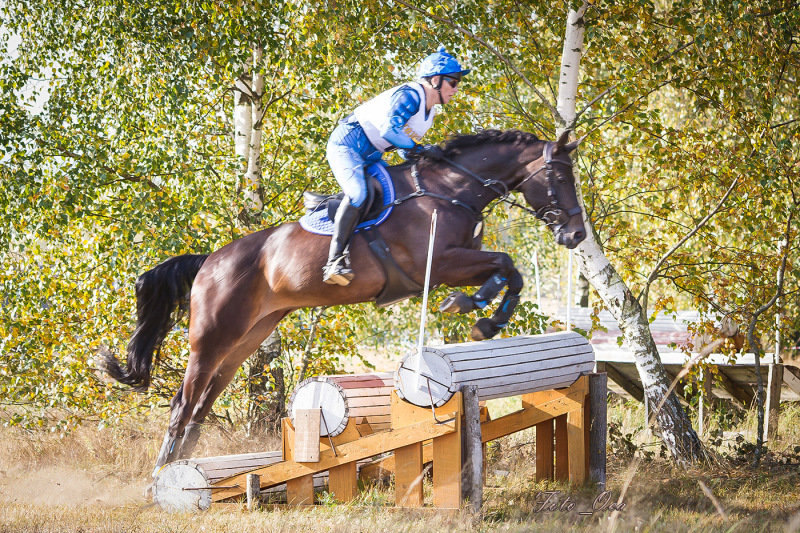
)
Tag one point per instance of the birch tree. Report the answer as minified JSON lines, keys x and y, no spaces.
{"x":676,"y":428}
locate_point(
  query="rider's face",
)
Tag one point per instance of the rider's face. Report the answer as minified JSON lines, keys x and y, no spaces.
{"x":449,"y":86}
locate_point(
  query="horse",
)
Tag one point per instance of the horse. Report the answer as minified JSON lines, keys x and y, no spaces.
{"x":238,"y":294}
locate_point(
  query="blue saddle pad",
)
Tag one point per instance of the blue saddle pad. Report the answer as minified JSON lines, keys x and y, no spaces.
{"x":318,"y":222}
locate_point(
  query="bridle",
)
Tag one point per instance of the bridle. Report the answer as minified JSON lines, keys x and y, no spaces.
{"x":551,"y":213}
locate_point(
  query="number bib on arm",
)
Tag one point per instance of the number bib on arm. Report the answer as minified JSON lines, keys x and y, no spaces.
{"x":374,"y":116}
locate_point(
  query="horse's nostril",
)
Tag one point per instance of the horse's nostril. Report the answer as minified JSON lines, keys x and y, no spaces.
{"x":579,"y":235}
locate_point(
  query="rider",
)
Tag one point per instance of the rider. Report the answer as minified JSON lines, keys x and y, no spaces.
{"x":396,"y":118}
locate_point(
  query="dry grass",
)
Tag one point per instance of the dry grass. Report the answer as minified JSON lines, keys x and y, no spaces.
{"x":92,"y":480}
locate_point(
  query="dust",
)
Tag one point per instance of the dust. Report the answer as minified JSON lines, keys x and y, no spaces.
{"x":67,"y":486}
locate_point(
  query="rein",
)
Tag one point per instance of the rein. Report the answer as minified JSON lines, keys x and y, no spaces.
{"x":551,"y":214}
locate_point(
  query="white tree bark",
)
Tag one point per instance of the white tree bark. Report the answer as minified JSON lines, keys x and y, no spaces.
{"x":247,"y":120}
{"x":676,"y":429}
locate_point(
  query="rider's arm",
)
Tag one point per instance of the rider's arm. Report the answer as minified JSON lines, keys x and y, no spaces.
{"x":404,"y":104}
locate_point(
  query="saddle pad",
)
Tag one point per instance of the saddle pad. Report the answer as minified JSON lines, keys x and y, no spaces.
{"x":319,"y":223}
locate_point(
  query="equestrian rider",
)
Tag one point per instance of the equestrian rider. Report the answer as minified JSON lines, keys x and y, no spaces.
{"x":396,"y":118}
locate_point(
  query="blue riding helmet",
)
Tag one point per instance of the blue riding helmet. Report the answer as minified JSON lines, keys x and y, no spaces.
{"x":440,"y":63}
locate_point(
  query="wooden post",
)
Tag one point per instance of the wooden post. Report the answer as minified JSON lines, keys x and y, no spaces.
{"x":408,"y":476}
{"x":576,"y":446}
{"x":306,"y":436}
{"x":704,"y":383}
{"x":598,"y":429}
{"x":343,"y":482}
{"x":408,"y":459}
{"x":299,"y":491}
{"x":447,"y":468}
{"x":473,"y":451}
{"x":562,"y":459}
{"x":253,"y":492}
{"x":544,"y":451}
{"x":774,"y":384}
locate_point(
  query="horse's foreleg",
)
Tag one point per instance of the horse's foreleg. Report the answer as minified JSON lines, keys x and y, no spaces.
{"x":458,"y":302}
{"x":486,"y":328}
{"x":495,"y":271}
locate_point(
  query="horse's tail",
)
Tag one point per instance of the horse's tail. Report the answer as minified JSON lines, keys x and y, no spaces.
{"x":159,"y":292}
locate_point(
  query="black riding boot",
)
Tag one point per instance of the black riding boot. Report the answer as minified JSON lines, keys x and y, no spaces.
{"x":338,"y":271}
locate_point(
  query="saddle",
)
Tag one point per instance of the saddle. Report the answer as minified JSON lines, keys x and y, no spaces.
{"x":370,"y":210}
{"x":374,"y":211}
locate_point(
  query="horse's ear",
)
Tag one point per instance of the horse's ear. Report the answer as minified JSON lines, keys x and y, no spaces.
{"x":571,"y":146}
{"x":563,"y":139}
{"x":563,"y":145}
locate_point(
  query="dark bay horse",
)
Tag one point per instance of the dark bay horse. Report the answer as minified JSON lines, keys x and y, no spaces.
{"x":238,"y":294}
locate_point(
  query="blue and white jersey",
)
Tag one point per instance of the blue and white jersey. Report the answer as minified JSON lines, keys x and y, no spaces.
{"x":375,"y":117}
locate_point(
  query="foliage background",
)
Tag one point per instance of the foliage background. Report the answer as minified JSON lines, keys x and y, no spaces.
{"x":126,"y":158}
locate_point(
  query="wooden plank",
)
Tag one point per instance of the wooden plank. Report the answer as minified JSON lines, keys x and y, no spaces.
{"x":742,"y":395}
{"x":519,"y":344}
{"x":343,"y":482}
{"x":370,"y":410}
{"x":405,"y":413}
{"x":582,"y":353}
{"x":771,"y":409}
{"x":368,"y":446}
{"x":408,"y":476}
{"x":287,"y":438}
{"x":514,"y":385}
{"x":544,"y":451}
{"x":306,"y":436}
{"x":597,"y":427}
{"x":381,"y":468}
{"x":791,"y":376}
{"x":447,"y":469}
{"x":562,"y":442}
{"x":299,"y":491}
{"x":535,"y":399}
{"x":366,"y":393}
{"x":576,"y":446}
{"x":490,"y":370}
{"x":531,"y":416}
{"x":631,"y":387}
{"x":236,"y":459}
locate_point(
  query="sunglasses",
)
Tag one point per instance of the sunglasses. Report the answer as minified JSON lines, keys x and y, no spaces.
{"x":453,"y":82}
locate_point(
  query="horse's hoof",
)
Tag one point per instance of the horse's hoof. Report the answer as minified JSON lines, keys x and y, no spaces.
{"x":484,"y":329}
{"x":457,"y":302}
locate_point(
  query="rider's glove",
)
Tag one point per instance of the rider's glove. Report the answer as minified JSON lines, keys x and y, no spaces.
{"x":431,"y":151}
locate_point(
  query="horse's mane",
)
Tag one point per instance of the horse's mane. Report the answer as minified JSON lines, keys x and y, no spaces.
{"x":456,"y":144}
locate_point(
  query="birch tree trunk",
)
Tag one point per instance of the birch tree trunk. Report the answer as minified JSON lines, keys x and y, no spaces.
{"x":676,"y":429}
{"x":247,"y":119}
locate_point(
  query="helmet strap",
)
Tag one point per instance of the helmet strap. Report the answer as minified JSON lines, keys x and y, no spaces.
{"x":438,"y":88}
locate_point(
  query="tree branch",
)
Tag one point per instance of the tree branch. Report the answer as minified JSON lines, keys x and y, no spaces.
{"x":490,"y":48}
{"x":657,"y":268}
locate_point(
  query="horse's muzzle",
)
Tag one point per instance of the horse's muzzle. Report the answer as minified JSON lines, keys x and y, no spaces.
{"x":569,"y":239}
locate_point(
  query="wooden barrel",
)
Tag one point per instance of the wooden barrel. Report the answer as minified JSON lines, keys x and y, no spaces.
{"x":358,"y":396}
{"x":499,"y":367}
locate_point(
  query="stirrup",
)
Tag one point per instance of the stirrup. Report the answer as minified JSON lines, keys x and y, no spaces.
{"x":338,"y":271}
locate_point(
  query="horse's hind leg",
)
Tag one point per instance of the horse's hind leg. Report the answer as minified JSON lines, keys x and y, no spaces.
{"x":188,"y":413}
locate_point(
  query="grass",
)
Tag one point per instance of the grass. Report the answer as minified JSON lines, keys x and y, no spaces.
{"x":91,"y":480}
